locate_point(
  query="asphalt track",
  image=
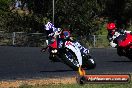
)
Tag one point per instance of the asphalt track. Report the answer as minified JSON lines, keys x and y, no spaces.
{"x":29,"y":62}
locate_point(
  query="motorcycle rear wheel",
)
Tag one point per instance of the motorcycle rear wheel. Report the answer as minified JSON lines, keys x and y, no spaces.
{"x":88,"y":62}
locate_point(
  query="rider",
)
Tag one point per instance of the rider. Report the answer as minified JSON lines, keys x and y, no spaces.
{"x":114,"y":33}
{"x":52,"y":32}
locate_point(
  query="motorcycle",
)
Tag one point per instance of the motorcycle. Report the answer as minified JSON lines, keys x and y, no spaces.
{"x":124,"y":44}
{"x":70,"y":52}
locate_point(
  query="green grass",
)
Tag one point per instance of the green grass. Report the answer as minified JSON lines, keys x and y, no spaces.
{"x":119,"y":85}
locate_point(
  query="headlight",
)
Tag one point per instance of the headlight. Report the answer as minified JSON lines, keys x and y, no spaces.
{"x":54,"y":51}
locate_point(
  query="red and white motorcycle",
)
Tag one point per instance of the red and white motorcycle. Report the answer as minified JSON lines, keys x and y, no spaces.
{"x":123,"y":43}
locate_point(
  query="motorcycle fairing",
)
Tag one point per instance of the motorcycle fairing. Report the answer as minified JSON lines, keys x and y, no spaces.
{"x":82,"y":49}
{"x":127,"y":40}
{"x":75,"y":49}
{"x":54,"y":44}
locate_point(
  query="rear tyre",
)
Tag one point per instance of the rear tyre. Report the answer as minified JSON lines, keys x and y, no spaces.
{"x":88,"y":62}
{"x":91,"y":64}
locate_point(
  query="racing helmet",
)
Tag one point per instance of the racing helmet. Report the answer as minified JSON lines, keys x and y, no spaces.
{"x":111,"y":26}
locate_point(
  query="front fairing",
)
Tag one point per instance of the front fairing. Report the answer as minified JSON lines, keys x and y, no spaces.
{"x":70,"y":45}
{"x":126,"y":41}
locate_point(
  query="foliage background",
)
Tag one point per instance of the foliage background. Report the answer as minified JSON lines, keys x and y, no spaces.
{"x":83,"y":17}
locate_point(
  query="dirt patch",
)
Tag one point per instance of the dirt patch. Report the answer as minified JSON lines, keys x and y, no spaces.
{"x":46,"y":81}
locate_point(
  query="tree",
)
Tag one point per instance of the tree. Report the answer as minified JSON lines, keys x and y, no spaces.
{"x":79,"y":15}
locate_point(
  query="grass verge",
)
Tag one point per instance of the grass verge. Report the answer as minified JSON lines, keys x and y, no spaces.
{"x":69,"y":82}
{"x":80,"y":86}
